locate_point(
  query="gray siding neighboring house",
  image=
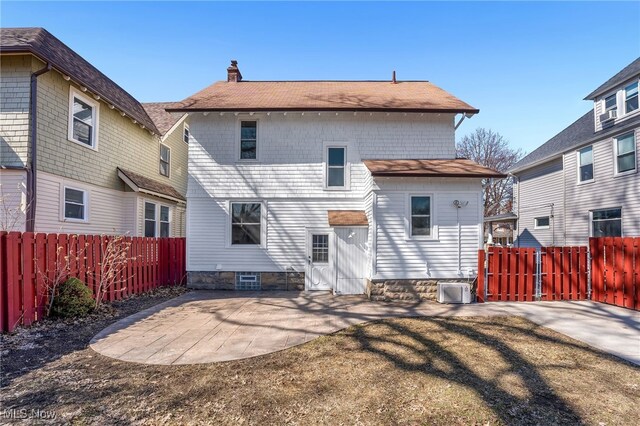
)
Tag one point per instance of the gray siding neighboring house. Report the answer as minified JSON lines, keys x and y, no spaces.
{"x":603,"y":197}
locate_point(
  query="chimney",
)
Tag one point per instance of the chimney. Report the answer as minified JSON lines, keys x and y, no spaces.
{"x":233,"y":72}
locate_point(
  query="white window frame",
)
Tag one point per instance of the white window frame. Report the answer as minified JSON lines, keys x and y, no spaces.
{"x":579,"y":165}
{"x":160,"y":161}
{"x":635,"y":156}
{"x":604,"y":102}
{"x":263,"y":224}
{"x":432,"y":215}
{"x":325,"y":166}
{"x":63,"y":201}
{"x":624,"y":97}
{"x":73,"y":93}
{"x":607,"y":208}
{"x":160,"y":221}
{"x":239,"y":139}
{"x":157,"y":209}
{"x":535,"y":222}
{"x":186,"y":133}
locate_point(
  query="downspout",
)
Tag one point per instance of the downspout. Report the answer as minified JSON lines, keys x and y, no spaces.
{"x":33,"y":131}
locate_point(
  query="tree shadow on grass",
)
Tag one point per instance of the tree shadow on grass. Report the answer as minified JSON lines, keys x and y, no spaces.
{"x":431,"y":357}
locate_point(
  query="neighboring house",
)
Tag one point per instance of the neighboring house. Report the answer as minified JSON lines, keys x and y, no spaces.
{"x":78,"y":153}
{"x":328,"y":185}
{"x":584,"y":181}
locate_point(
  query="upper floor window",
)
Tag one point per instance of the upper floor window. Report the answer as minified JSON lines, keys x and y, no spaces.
{"x":165,"y":160}
{"x":420,"y":225}
{"x":336,"y":167}
{"x":606,"y":223}
{"x":248,"y":140}
{"x":83,"y":119}
{"x":185,"y":133}
{"x":246,"y":223}
{"x":585,"y":158}
{"x":631,"y":98}
{"x":542,"y":222}
{"x":610,"y":103}
{"x":75,"y":204}
{"x":625,"y":150}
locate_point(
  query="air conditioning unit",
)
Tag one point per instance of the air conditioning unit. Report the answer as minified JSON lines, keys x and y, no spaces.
{"x":454,"y":293}
{"x":609,"y":115}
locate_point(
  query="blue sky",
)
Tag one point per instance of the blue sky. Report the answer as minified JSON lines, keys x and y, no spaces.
{"x":526,"y":66}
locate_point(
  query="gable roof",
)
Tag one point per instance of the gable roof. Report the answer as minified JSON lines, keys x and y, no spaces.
{"x":459,"y":167}
{"x":405,"y":96}
{"x":628,"y":72}
{"x":140,"y":183}
{"x":580,"y":130}
{"x":48,"y":48}
{"x":163,"y":120}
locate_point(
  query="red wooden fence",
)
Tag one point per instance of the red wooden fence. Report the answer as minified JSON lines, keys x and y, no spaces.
{"x":615,"y":272}
{"x":28,"y":261}
{"x":564,"y":273}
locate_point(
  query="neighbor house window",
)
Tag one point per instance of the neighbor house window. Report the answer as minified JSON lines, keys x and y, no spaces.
{"x":83,"y":118}
{"x":185,"y":134}
{"x":625,"y":147}
{"x":248,"y":140}
{"x":420,"y":216}
{"x":165,"y":160}
{"x":246,"y":223}
{"x":611,"y":103}
{"x":631,"y":98}
{"x":336,"y":167}
{"x":75,"y":204}
{"x":606,"y":223}
{"x":165,"y":223}
{"x":149,"y":219}
{"x":542,"y":222}
{"x":585,"y":158}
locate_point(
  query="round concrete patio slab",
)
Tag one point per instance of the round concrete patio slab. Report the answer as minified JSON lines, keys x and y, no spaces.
{"x":211,"y":326}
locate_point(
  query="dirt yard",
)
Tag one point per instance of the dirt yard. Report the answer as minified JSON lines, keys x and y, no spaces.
{"x":402,"y":371}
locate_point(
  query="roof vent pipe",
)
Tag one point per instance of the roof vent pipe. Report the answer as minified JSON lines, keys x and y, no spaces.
{"x":393,"y":77}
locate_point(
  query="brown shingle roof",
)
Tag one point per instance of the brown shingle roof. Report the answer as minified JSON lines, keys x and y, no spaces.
{"x":149,"y":185}
{"x":407,"y":96}
{"x":459,"y":167}
{"x":44,"y":45}
{"x":347,"y":218}
{"x":163,"y":120}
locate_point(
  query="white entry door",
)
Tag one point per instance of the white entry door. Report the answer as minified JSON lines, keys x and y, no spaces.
{"x":319,"y":273}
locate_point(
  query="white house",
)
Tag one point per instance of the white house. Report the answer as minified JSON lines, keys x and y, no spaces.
{"x":350,"y":186}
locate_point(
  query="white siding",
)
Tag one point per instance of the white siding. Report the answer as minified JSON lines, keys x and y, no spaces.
{"x":537,"y":189}
{"x":110,"y":211}
{"x":291,"y":151}
{"x":398,"y":257}
{"x":286,"y":222}
{"x":605,"y":191}
{"x":13,"y":200}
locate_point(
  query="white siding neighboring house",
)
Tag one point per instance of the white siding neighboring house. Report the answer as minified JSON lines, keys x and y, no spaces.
{"x":315,"y":185}
{"x":67,"y":134}
{"x":584,"y":181}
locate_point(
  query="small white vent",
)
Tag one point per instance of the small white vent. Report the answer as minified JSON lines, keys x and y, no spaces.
{"x":454,"y":293}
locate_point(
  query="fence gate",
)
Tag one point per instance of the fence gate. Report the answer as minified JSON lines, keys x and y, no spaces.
{"x":529,"y":274}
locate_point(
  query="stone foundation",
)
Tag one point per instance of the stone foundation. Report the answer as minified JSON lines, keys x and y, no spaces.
{"x":386,"y":290}
{"x":216,"y":280}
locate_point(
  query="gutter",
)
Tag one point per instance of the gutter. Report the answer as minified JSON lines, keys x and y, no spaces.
{"x":33,"y":148}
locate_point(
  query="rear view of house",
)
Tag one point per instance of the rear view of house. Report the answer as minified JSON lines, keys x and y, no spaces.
{"x":350,"y":186}
{"x":78,"y":153}
{"x":584,"y":181}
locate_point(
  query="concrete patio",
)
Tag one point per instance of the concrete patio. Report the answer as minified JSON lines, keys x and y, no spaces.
{"x":213,"y":326}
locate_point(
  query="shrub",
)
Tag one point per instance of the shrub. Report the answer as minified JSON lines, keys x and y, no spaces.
{"x":73,"y":299}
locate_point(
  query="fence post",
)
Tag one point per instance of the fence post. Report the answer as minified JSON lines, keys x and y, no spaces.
{"x":589,"y":260}
{"x":480,"y":290}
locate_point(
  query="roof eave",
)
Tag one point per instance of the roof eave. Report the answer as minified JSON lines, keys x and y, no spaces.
{"x":407,"y":110}
{"x":441,"y":175}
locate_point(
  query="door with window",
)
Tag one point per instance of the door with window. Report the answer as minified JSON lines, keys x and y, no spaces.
{"x":319,"y":272}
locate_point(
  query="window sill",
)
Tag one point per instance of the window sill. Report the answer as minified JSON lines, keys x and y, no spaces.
{"x":91,"y":147}
{"x":542,"y":228}
{"x":627,"y":173}
{"x":69,"y":220}
{"x":336,"y":188}
{"x":585,"y":182}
